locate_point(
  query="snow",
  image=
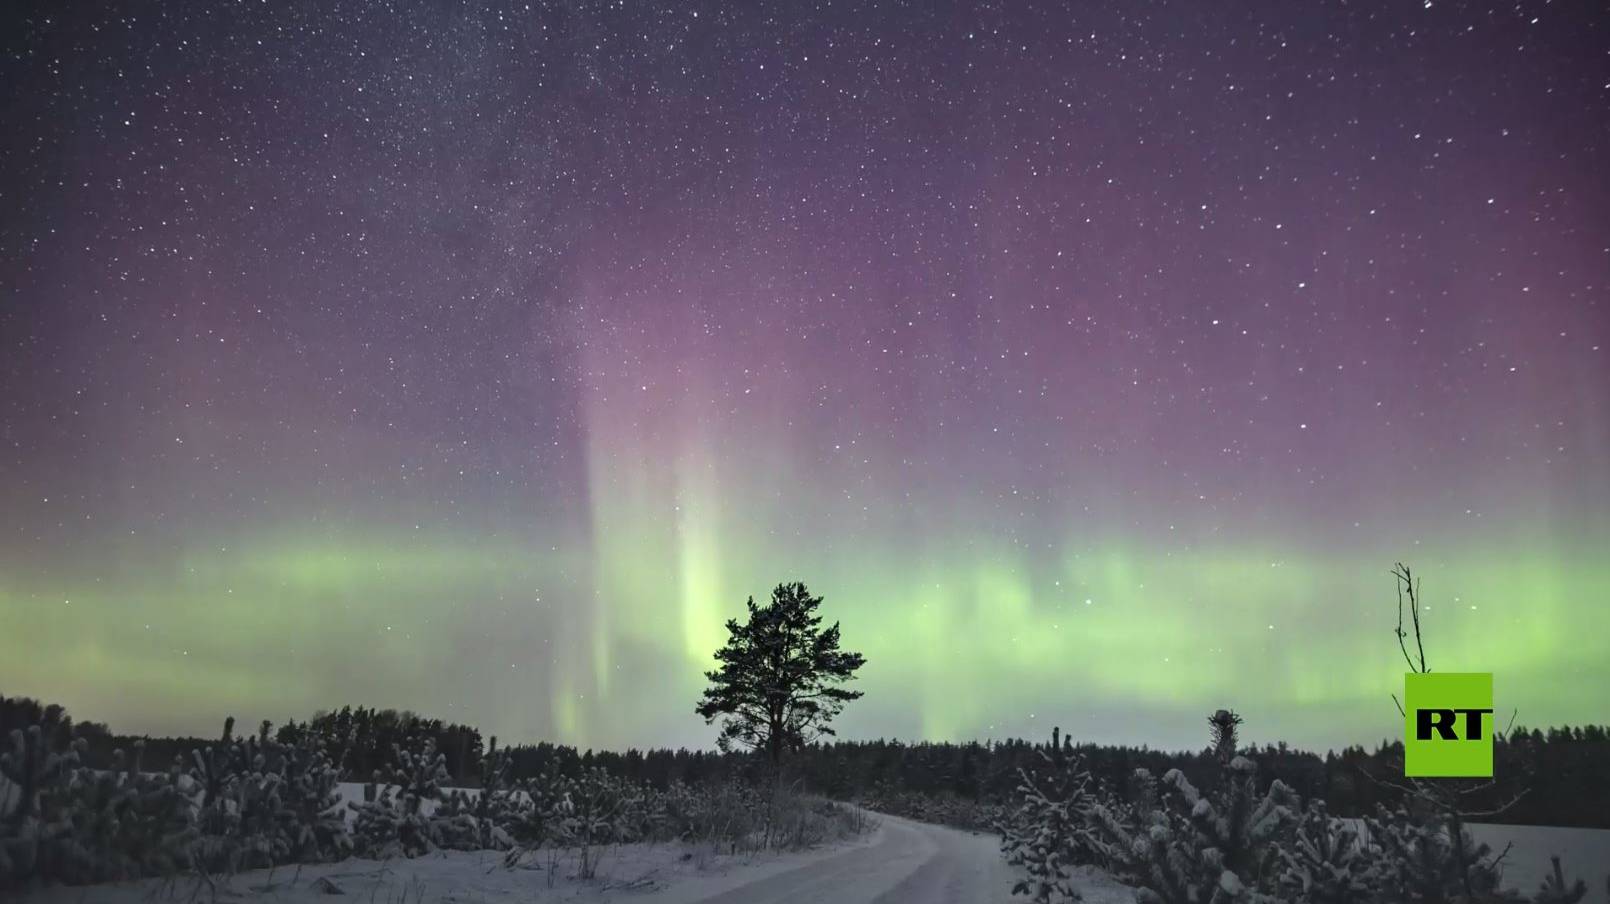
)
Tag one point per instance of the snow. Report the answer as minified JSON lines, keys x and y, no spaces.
{"x":900,"y":862}
{"x":650,"y":873}
{"x":1583,"y":853}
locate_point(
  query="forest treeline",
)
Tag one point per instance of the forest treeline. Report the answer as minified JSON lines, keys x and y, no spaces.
{"x":1565,"y":770}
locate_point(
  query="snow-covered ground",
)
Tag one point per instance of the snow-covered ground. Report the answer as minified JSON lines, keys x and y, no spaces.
{"x":1583,"y":853}
{"x":900,"y":862}
{"x":649,"y":873}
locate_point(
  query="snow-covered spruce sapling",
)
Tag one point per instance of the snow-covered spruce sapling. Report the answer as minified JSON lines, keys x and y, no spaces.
{"x":387,"y":824}
{"x":32,"y":765}
{"x":261,"y":802}
{"x":127,"y":823}
{"x":535,"y":819}
{"x":645,"y":816}
{"x":159,"y":829}
{"x":1121,"y":830}
{"x":1555,"y":890}
{"x":256,"y":798}
{"x":375,"y":819}
{"x":453,"y":824}
{"x":1223,"y":845}
{"x":682,"y":815}
{"x":1327,"y":861}
{"x":1421,"y":861}
{"x":1050,"y":831}
{"x":237,"y":807}
{"x":35,"y":820}
{"x":311,"y":814}
{"x":212,"y":768}
{"x":476,"y":822}
{"x":1197,"y":847}
{"x":725,"y":814}
{"x":94,"y":849}
{"x":594,"y":815}
{"x":1224,"y":725}
{"x":87,"y":825}
{"x":497,"y":804}
{"x":533,"y":825}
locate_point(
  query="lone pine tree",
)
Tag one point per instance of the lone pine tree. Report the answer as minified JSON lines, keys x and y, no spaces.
{"x":776,"y":686}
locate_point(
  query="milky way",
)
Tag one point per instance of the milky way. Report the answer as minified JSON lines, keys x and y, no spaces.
{"x":1095,"y":365}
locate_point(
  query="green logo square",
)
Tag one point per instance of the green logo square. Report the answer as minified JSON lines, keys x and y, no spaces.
{"x":1448,"y":725}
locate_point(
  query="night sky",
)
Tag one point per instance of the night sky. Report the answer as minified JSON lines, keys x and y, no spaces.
{"x":1094,"y":365}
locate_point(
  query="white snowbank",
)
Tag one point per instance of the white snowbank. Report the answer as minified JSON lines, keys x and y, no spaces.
{"x":1583,"y":853}
{"x":653,"y":874}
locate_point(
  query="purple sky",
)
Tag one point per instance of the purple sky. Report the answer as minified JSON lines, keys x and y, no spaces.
{"x":481,"y":362}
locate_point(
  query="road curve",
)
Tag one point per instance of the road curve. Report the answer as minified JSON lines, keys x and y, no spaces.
{"x":906,"y":862}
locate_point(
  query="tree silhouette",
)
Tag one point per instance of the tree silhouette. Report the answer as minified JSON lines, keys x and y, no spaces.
{"x":775,"y":689}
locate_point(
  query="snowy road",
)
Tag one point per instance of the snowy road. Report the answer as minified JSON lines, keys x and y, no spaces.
{"x":906,"y":862}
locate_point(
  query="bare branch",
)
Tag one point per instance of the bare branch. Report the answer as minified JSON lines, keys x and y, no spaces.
{"x":1504,"y":735}
{"x":1409,"y":592}
{"x":1496,"y":811}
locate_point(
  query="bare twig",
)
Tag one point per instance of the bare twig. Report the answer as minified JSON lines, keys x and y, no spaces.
{"x":1409,"y":591}
{"x":1496,"y":811}
{"x":1504,"y":735}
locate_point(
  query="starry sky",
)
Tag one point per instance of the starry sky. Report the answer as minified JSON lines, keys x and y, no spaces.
{"x":1095,"y":364}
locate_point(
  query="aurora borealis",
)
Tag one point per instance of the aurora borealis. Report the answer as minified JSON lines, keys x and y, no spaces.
{"x":1094,"y":364}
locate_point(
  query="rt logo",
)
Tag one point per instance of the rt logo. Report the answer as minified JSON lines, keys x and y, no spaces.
{"x":1448,"y":731}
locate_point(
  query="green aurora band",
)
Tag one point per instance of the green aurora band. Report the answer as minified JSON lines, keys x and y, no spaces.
{"x":1113,"y":643}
